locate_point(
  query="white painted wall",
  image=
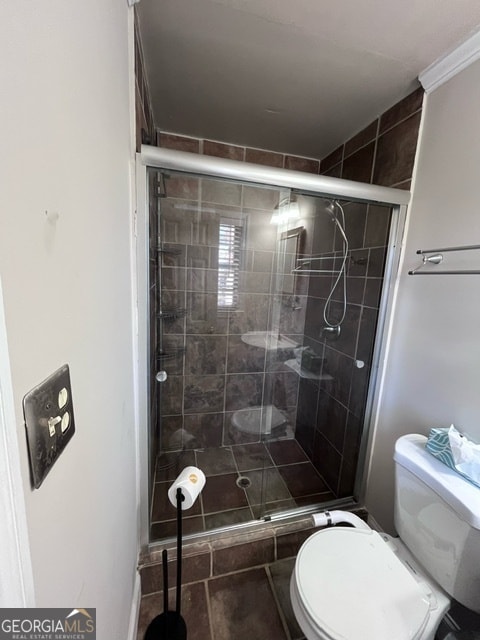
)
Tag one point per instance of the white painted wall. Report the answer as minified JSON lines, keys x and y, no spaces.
{"x":16,"y":584}
{"x":65,"y":128}
{"x":433,"y":371}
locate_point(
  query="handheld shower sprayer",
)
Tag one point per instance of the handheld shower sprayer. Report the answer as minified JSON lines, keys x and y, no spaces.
{"x":332,"y":328}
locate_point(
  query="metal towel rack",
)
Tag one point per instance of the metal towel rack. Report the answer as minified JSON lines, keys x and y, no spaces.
{"x":435,"y":256}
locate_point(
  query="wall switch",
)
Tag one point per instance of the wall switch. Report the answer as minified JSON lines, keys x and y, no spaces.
{"x":49,"y":422}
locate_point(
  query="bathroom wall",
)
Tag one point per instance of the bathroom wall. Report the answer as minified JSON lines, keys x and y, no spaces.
{"x":330,"y":419}
{"x":144,"y":124}
{"x":431,"y":378}
{"x":331,"y":408}
{"x":65,"y":247}
{"x":383,"y":153}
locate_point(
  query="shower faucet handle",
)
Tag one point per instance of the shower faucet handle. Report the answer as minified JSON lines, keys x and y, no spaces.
{"x":332,"y":331}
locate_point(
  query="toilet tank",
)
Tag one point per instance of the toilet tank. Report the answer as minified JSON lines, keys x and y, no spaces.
{"x":437,"y":516}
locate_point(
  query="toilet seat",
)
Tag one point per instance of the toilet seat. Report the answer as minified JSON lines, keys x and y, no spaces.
{"x":349,"y":585}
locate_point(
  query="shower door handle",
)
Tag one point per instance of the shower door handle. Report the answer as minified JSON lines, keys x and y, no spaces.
{"x":161,"y":376}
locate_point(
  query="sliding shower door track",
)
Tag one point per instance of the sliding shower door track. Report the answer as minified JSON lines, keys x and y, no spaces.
{"x":285,"y":518}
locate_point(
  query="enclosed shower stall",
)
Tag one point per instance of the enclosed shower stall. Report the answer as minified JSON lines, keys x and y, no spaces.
{"x":266,"y":299}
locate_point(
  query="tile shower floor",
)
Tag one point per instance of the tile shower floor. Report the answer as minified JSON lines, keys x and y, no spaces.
{"x":244,"y":482}
{"x":254,"y":603}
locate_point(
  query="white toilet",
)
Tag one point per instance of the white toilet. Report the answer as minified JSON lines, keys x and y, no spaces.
{"x":357,"y":584}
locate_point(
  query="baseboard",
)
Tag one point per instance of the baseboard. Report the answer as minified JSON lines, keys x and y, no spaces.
{"x":135,"y":609}
{"x":373,"y":523}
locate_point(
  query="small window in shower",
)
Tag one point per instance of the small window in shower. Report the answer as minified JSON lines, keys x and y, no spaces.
{"x":230,"y":242}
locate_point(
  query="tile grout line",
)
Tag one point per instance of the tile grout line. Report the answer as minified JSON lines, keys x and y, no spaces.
{"x":277,"y":603}
{"x":209,"y":608}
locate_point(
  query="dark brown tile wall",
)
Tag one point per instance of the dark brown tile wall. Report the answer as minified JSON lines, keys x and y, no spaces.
{"x":331,"y":409}
{"x":234,"y":152}
{"x":384,"y":152}
{"x":330,"y":414}
{"x":145,"y":127}
{"x":217,"y":373}
{"x":228,"y":553}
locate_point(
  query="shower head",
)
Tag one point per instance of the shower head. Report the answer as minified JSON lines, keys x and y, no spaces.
{"x":331,"y":209}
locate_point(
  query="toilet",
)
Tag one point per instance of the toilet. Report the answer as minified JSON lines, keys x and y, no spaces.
{"x":353,"y":583}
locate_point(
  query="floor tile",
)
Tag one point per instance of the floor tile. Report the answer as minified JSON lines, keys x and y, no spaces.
{"x":243,"y":606}
{"x":302,"y":479}
{"x":315,"y":499}
{"x":171,"y":464}
{"x":270,"y":508}
{"x":221,"y":493}
{"x":215,"y":461}
{"x":168,"y":529}
{"x":281,"y":572}
{"x":194,"y":610}
{"x":279,"y":480}
{"x":227,"y":518}
{"x":251,"y":456}
{"x":267,"y":485}
{"x":162,"y":508}
{"x":287,"y":452}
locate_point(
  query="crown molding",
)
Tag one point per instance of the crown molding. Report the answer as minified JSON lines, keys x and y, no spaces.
{"x":450,"y":64}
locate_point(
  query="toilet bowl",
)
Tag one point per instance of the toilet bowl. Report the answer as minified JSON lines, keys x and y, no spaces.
{"x":358,"y":584}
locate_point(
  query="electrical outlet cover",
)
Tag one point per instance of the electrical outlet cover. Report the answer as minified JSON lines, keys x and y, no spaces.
{"x":49,"y":422}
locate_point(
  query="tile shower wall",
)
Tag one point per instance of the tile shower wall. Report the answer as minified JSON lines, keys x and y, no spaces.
{"x":216,"y":372}
{"x":144,"y":124}
{"x":382,"y":153}
{"x":331,"y":411}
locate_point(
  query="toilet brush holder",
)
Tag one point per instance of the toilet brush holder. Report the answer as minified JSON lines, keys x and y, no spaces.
{"x":170,"y":625}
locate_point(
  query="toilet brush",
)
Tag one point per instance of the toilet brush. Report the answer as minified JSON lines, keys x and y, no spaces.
{"x":170,"y":625}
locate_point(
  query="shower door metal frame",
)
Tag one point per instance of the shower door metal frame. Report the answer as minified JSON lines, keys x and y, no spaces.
{"x":309,"y":184}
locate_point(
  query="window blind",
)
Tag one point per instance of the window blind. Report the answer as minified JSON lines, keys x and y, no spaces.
{"x":230,"y":241}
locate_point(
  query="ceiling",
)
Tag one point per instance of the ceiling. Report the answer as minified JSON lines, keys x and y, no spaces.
{"x":298,"y":77}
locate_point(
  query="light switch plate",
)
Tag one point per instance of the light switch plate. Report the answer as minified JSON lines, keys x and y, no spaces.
{"x":49,"y":422}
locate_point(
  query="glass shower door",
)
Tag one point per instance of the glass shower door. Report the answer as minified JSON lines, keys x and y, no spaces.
{"x":261,"y":356}
{"x":215,"y":305}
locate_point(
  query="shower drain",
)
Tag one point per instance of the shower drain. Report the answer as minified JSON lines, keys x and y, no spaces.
{"x":243,"y":482}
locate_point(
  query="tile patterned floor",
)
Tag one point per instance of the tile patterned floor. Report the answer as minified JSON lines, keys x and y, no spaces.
{"x":280,"y":476}
{"x":254,"y":603}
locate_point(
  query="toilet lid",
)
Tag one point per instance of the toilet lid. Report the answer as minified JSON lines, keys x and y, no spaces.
{"x":352,"y":586}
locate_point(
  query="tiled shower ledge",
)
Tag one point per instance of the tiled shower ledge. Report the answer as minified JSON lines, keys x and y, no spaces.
{"x":216,"y":553}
